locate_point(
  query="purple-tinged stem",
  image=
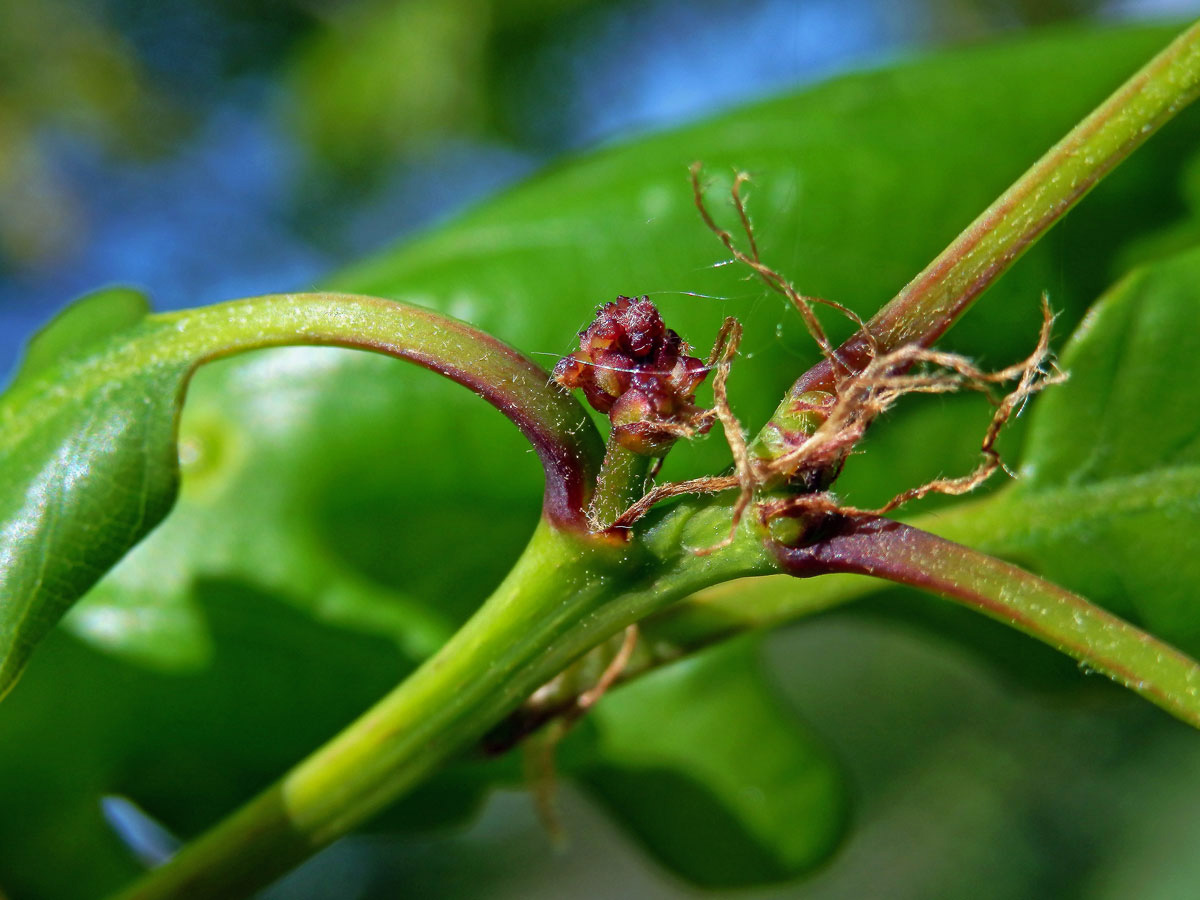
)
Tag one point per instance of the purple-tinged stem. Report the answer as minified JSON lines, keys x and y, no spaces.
{"x":554,"y":423}
{"x":933,"y":301}
{"x":869,"y":545}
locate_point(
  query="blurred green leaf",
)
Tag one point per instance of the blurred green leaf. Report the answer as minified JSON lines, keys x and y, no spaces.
{"x":384,"y":80}
{"x":188,"y":746}
{"x":714,"y":774}
{"x":393,"y":76}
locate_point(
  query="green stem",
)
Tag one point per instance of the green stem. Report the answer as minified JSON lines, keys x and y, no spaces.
{"x":726,"y":610}
{"x":621,"y":483}
{"x":935,"y":299}
{"x":565,"y":595}
{"x":482,"y":672}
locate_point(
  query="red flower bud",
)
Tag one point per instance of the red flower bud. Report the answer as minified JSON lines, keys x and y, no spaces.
{"x":631,"y":366}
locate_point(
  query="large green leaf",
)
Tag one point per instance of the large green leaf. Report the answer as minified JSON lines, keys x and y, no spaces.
{"x":329,"y":479}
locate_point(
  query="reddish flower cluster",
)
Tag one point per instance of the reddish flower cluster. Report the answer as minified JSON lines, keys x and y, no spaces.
{"x":631,"y":366}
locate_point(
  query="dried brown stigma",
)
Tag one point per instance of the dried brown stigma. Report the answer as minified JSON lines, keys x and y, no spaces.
{"x":800,"y":452}
{"x":632,"y":367}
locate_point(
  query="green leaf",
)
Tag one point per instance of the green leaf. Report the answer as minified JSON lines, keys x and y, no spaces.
{"x":711,"y":771}
{"x":88,"y":463}
{"x":83,"y":324}
{"x":1108,"y":499}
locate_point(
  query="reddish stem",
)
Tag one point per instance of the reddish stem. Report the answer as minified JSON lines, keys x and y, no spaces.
{"x":869,"y":545}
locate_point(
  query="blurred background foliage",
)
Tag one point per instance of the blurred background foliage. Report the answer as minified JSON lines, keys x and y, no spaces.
{"x":212,"y":150}
{"x":128,"y":131}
